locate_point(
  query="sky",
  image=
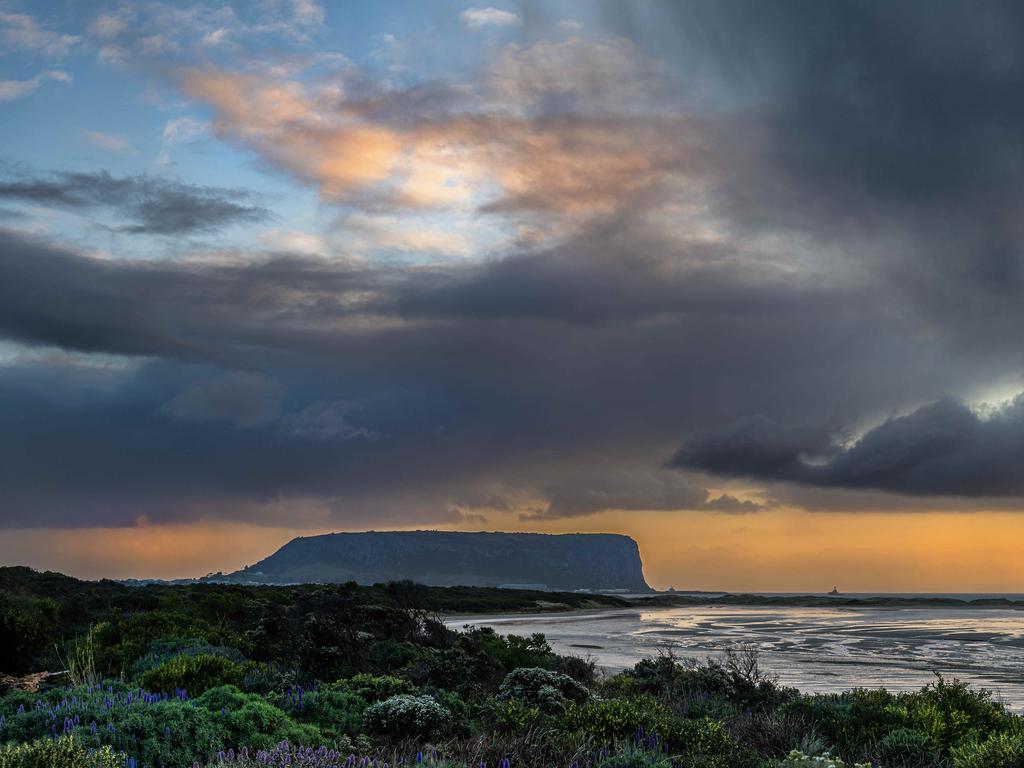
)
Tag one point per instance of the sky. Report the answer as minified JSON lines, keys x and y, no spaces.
{"x":741,"y":280}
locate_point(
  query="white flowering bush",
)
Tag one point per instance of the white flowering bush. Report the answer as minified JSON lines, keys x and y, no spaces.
{"x":407,"y":715}
{"x":797,"y":759}
{"x":541,"y":688}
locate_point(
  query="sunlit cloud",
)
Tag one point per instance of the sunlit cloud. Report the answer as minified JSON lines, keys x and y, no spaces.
{"x":14,"y":89}
{"x":544,"y":134}
{"x":475,"y":18}
{"x":111,"y":142}
{"x":21,"y":32}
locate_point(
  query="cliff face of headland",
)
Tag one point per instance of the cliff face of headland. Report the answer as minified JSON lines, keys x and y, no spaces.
{"x":593,"y":561}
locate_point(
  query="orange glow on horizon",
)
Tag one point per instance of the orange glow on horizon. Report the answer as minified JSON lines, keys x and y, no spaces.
{"x":781,"y":550}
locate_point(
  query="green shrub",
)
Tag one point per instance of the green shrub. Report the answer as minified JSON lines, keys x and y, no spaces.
{"x":158,"y":733}
{"x":853,"y":722}
{"x":373,"y":688}
{"x":171,"y":734}
{"x":582,"y":670}
{"x":609,"y":719}
{"x":28,"y":627}
{"x":542,"y":689}
{"x":630,"y":755}
{"x":194,"y":674}
{"x":509,"y":715}
{"x":703,"y":741}
{"x":335,"y":712}
{"x":249,"y":720}
{"x":906,"y":748}
{"x":166,"y":648}
{"x":464,"y":714}
{"x":999,"y":750}
{"x":732,"y":682}
{"x":514,"y":651}
{"x":392,"y":654}
{"x":63,"y":752}
{"x":266,"y":678}
{"x":773,"y":733}
{"x":952,"y":713}
{"x":121,"y":640}
{"x":407,"y":716}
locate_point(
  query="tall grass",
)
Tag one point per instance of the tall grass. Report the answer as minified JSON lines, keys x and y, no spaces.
{"x":79,"y":659}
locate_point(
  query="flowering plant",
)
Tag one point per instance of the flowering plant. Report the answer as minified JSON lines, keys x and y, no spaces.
{"x":407,"y":715}
{"x":797,"y":759}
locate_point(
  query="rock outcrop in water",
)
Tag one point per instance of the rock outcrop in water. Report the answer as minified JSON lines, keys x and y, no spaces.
{"x":594,"y":561}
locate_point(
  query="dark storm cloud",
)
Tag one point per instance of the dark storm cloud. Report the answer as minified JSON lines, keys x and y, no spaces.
{"x":861,"y":167}
{"x":937,"y":450}
{"x":586,"y":490}
{"x":155,"y":206}
{"x":244,"y":399}
{"x":892,"y":127}
{"x":195,"y":311}
{"x":252,"y":383}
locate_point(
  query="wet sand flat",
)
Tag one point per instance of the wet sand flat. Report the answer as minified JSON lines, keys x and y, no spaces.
{"x":813,"y":649}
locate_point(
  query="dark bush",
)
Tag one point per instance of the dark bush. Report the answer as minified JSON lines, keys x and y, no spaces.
{"x":194,"y":674}
{"x":905,"y":748}
{"x":28,"y":629}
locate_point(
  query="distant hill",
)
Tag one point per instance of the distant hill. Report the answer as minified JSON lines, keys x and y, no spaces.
{"x":593,"y":561}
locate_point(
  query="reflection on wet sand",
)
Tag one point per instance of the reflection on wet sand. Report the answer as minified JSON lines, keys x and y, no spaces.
{"x":814,"y":649}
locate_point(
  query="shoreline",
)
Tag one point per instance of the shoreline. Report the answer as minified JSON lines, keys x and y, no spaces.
{"x":458,"y":620}
{"x":667,"y":602}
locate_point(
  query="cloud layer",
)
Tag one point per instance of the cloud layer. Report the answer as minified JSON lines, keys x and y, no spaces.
{"x":941,"y":449}
{"x":151,"y":206}
{"x":749,"y":231}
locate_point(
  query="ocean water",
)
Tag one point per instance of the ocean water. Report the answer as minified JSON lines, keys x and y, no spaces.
{"x":813,"y":649}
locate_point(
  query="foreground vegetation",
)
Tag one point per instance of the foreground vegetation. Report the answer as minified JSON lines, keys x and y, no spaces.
{"x":319,"y":676}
